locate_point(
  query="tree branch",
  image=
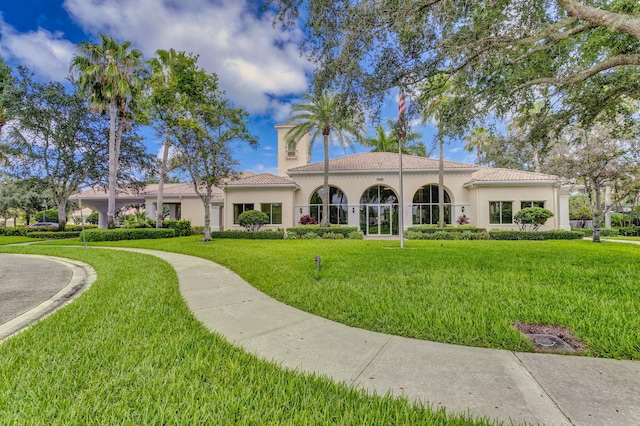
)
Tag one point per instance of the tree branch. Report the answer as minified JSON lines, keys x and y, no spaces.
{"x":602,"y":18}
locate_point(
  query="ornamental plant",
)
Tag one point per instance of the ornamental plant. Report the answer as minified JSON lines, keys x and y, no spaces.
{"x":253,"y":220}
{"x":307,"y":220}
{"x":531,"y":218}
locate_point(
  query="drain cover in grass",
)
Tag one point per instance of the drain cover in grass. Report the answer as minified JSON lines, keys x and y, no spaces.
{"x":550,"y":338}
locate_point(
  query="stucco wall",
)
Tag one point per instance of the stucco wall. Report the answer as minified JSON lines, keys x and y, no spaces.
{"x":257,"y":196}
{"x":514,"y":193}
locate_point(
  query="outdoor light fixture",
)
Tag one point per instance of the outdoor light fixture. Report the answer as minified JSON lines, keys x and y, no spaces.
{"x":300,"y":210}
{"x":462,"y":209}
{"x":353,"y":209}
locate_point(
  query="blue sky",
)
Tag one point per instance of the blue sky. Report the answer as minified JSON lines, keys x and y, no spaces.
{"x":259,"y":66}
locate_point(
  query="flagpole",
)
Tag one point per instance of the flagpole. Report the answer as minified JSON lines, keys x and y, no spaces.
{"x":401,"y":135}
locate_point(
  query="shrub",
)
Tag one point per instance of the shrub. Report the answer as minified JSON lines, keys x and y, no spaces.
{"x":330,"y":236}
{"x":307,"y":220}
{"x":252,"y":220}
{"x":429,"y":229}
{"x":300,"y":231}
{"x":52,"y":235}
{"x":244,"y":235}
{"x":462,"y":220}
{"x":182,"y":227}
{"x":197,"y":230}
{"x":13,"y":232}
{"x":50,"y":215}
{"x":531,"y":218}
{"x":627,"y":231}
{"x":79,"y":227}
{"x":606,"y":232}
{"x":497,"y":234}
{"x":444,"y":235}
{"x":355,"y":235}
{"x":93,"y":218}
{"x":119,"y":234}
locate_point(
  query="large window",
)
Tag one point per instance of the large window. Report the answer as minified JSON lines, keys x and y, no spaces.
{"x":526,"y":204}
{"x":500,"y":212}
{"x":238,"y":209}
{"x":274,"y":211}
{"x":426,"y":206}
{"x":337,"y":206}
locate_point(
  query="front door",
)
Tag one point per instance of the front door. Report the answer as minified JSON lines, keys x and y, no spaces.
{"x":379,"y":219}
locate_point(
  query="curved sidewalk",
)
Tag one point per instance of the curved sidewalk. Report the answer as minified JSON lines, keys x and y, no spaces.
{"x":523,"y":387}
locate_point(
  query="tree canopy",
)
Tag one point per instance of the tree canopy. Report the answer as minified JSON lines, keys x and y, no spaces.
{"x":581,"y":56}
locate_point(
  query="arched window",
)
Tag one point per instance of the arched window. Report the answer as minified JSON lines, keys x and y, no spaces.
{"x":379,"y":195}
{"x":337,"y":205}
{"x":426,"y":206}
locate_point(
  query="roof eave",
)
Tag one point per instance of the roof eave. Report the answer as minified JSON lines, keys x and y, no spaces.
{"x":545,"y":182}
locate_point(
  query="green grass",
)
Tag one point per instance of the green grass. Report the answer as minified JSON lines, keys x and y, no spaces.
{"x":462,"y":292}
{"x":128,"y":351}
{"x":4,"y":240}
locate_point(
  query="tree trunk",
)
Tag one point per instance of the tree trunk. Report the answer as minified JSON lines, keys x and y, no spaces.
{"x":597,"y":216}
{"x":62,"y":214}
{"x":441,"y":186}
{"x":324,"y":218}
{"x":111,"y":204}
{"x":163,"y":175}
{"x":206,"y":200}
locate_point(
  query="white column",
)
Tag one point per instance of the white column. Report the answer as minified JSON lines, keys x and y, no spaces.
{"x":216,"y":218}
{"x":563,"y":212}
{"x":102,"y":219}
{"x":150,"y":208}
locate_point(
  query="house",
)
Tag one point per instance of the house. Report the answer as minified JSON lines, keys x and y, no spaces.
{"x":364,"y":192}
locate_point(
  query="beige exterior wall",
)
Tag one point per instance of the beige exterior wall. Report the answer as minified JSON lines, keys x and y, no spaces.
{"x":485,"y":194}
{"x":257,"y":196}
{"x":355,"y":184}
{"x":290,"y":158}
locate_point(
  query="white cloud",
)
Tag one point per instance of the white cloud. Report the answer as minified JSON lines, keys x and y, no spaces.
{"x":46,"y":54}
{"x":261,"y":168}
{"x":255,"y":62}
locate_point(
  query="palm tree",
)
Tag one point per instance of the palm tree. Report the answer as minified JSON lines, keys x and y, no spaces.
{"x":322,"y":113}
{"x":479,"y":139}
{"x":388,"y":141}
{"x":163,"y":69}
{"x":111,"y":75}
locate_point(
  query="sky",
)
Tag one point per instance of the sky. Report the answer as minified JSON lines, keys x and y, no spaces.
{"x":259,"y":66}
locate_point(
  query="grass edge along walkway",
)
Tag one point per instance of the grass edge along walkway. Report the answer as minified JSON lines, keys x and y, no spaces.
{"x":128,"y":351}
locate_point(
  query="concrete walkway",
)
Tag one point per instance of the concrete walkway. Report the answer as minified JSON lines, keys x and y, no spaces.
{"x":522,"y":387}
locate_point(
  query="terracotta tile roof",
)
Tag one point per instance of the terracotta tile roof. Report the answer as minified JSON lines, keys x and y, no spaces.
{"x":379,"y":161}
{"x":170,"y":189}
{"x":487,"y":174}
{"x":262,"y":179}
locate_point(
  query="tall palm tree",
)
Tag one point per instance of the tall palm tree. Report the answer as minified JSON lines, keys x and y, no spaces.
{"x":163,"y":69}
{"x":323,"y":114}
{"x":111,"y":75}
{"x":385,"y":141}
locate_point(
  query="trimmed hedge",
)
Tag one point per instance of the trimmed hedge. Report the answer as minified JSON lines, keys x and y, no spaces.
{"x":182,"y":227}
{"x":446,"y":235}
{"x":604,"y":232}
{"x":535,"y":235}
{"x":14,"y":232}
{"x":302,"y":231}
{"x":249,"y":235}
{"x":54,"y":235}
{"x":119,"y":234}
{"x":431,"y":229}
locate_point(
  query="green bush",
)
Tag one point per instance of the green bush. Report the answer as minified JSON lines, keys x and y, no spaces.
{"x":50,"y":216}
{"x":182,"y":227}
{"x":532,"y":218}
{"x":356,"y":235}
{"x":93,"y":218}
{"x":79,"y":227}
{"x":497,"y":234}
{"x":627,"y":231}
{"x":604,"y":232}
{"x":430,"y":229}
{"x":197,"y":230}
{"x":252,"y":220}
{"x":300,"y":231}
{"x":249,"y":235}
{"x":119,"y":234}
{"x":14,"y":232}
{"x":53,"y":235}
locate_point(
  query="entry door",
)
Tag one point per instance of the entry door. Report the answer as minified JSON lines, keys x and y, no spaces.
{"x":376,"y":219}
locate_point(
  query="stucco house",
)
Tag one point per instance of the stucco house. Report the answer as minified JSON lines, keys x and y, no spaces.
{"x":364,"y":193}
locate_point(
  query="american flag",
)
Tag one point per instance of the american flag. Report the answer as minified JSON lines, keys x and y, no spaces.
{"x":402,"y":107}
